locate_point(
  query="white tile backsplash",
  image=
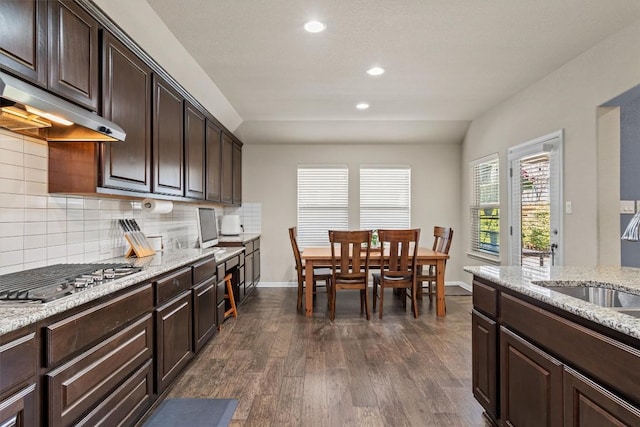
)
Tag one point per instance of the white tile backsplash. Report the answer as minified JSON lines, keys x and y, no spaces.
{"x":38,"y":228}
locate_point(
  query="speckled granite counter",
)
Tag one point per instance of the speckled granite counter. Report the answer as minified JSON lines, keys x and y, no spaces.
{"x":524,"y":281}
{"x":240,"y":238}
{"x":15,"y":317}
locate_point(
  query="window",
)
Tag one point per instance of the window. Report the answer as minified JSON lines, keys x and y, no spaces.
{"x":323,"y":203}
{"x":485,"y":206}
{"x":385,"y":197}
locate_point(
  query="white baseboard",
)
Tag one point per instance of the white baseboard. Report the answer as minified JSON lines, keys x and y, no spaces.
{"x":295,"y":285}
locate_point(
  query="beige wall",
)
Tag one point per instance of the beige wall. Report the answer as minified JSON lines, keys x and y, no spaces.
{"x":269,"y":178}
{"x":567,"y":98}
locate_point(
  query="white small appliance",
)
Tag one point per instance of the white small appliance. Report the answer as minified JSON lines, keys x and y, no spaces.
{"x":230,"y":225}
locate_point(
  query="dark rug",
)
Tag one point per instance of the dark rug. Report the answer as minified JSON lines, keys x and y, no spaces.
{"x":193,"y":412}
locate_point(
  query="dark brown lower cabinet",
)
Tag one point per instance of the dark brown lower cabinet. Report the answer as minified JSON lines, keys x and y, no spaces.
{"x":21,"y":408}
{"x":173,"y":339}
{"x":531,"y":384}
{"x":586,"y":404}
{"x":204,"y":312}
{"x":485,"y":348}
{"x":74,"y":387}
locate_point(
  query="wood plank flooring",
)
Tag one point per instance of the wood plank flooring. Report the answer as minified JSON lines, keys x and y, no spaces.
{"x":289,"y":370}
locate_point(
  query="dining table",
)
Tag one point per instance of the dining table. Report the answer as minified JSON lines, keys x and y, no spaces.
{"x":314,"y":257}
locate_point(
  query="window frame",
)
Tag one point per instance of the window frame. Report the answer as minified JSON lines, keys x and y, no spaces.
{"x":487,"y":246}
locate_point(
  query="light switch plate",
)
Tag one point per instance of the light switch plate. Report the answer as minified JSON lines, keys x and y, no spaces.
{"x":627,"y":206}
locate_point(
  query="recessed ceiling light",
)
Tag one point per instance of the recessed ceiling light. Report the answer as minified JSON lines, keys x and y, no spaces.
{"x":375,"y":71}
{"x":362,"y":106}
{"x":315,"y":26}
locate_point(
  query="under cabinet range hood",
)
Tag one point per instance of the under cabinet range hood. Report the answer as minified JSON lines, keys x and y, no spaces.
{"x":27,"y":109}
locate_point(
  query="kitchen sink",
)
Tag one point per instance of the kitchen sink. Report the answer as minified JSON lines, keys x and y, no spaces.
{"x":596,"y":294}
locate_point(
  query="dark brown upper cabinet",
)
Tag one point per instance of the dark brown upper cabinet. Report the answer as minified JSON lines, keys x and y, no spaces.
{"x":73,"y":53}
{"x":237,"y":173}
{"x":214,"y":162}
{"x":127,"y":101}
{"x":168,"y":142}
{"x":23,"y":39}
{"x":194,"y":149}
{"x":227,"y":169}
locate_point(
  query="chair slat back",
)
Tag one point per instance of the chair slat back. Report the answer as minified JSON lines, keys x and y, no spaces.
{"x":293,"y":236}
{"x":401,"y":259}
{"x":354,"y":254}
{"x":442,"y":237}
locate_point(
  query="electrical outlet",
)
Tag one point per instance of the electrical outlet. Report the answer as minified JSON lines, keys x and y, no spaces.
{"x":568,"y":208}
{"x":627,"y":206}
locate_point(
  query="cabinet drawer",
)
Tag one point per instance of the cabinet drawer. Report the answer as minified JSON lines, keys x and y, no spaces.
{"x":76,"y":332}
{"x":204,"y":270}
{"x":485,"y":298}
{"x":600,"y":357}
{"x":21,"y":409}
{"x":221,"y":271}
{"x":173,"y":284}
{"x":127,"y":403}
{"x":17,"y":361}
{"x":248,"y":247}
{"x":242,"y":258}
{"x":256,"y":244}
{"x":80,"y":384}
{"x":235,"y":261}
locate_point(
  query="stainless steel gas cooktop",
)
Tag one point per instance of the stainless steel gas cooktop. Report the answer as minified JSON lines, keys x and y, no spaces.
{"x":48,"y":283}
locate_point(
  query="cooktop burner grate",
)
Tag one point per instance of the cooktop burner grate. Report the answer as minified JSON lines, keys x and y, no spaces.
{"x":51,"y":282}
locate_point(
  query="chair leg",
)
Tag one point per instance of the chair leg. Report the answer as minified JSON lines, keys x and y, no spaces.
{"x":414,"y":301}
{"x":365,"y":295}
{"x":300,"y":288}
{"x":375,"y":292}
{"x":430,"y":292}
{"x":381,"y":300}
{"x":332,"y":310}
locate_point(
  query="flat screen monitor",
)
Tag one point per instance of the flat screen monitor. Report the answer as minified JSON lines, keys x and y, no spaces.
{"x":207,"y":227}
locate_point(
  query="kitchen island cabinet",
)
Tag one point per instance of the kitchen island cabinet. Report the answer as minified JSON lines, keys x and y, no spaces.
{"x":553,"y":358}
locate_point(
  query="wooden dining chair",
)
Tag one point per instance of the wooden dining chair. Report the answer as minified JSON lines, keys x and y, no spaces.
{"x":350,"y":253}
{"x":319,"y":274}
{"x":442,"y":237}
{"x":399,"y":266}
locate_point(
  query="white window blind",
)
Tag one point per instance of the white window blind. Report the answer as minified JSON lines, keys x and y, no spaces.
{"x":323,"y":203}
{"x":385,"y":197}
{"x":485,"y":205}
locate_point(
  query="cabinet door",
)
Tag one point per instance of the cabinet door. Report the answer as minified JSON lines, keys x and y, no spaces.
{"x":20,"y":409}
{"x":127,"y":102}
{"x":256,"y":267}
{"x":173,"y":339}
{"x":73,"y":53}
{"x":484,"y":362}
{"x":227,"y":169}
{"x":204,"y":312}
{"x":23,"y":39}
{"x":237,"y":174}
{"x":194,"y":139}
{"x":530,"y":384}
{"x":168,"y":145}
{"x":586,"y":404}
{"x":214,"y":162}
{"x":248,"y":270}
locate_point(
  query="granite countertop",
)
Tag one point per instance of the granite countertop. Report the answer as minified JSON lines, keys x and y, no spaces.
{"x":238,"y":238}
{"x":524,"y":281}
{"x":14,"y":316}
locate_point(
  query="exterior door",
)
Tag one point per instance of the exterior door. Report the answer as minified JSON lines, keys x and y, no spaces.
{"x":535,"y":202}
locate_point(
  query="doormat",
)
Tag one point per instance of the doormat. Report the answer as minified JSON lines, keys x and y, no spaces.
{"x":193,"y":412}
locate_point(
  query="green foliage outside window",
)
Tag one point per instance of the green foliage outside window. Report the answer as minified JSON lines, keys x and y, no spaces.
{"x":490,"y":229}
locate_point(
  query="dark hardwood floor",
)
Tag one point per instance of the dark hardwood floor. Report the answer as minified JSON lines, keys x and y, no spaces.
{"x":289,"y":370}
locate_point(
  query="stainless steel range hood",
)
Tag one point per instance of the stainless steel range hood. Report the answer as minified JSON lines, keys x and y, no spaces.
{"x":25,"y":107}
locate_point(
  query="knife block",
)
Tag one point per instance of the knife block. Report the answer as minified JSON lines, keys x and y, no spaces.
{"x":138,"y":249}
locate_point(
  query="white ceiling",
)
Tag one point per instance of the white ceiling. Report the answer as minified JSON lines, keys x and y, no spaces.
{"x":446,"y":61}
